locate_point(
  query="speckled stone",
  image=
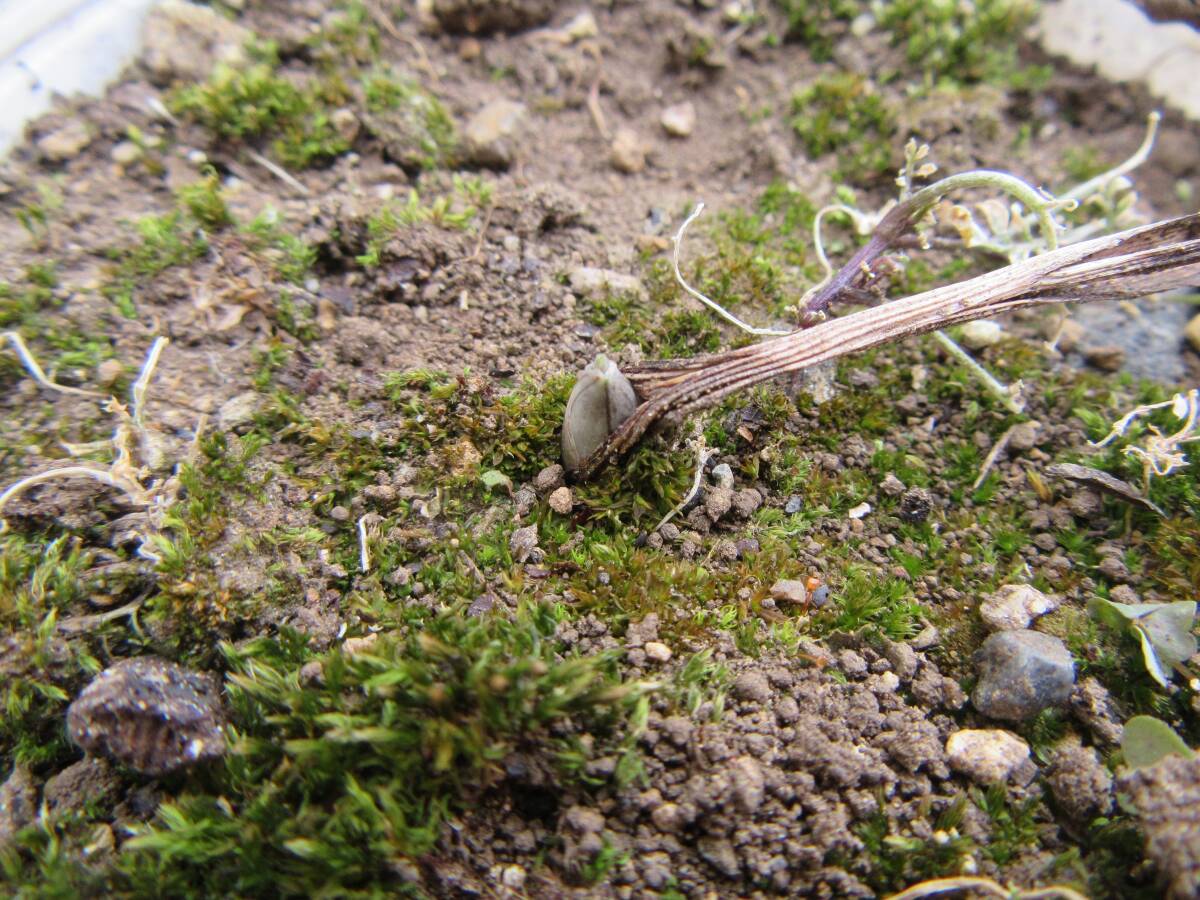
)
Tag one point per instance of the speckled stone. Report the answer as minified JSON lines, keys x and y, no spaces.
{"x":150,"y":715}
{"x":1021,"y":673}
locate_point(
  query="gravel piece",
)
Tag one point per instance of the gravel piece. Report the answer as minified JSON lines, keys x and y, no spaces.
{"x":980,"y":334}
{"x":1106,"y":358}
{"x":523,"y":543}
{"x":549,"y":479}
{"x":746,"y":502}
{"x":65,"y":143}
{"x":903,"y":658}
{"x":852,"y":663}
{"x":90,"y":781}
{"x":717,"y":502}
{"x":493,"y":135}
{"x":1024,"y":437}
{"x":658,"y":652}
{"x":719,"y":853}
{"x":151,"y":715}
{"x":593,"y":283}
{"x":789,"y":590}
{"x":1013,"y":606}
{"x":561,"y":500}
{"x":628,"y":153}
{"x":1020,"y":674}
{"x":986,"y":755}
{"x":1092,"y":705}
{"x":722,"y":476}
{"x":679,"y":120}
{"x":915,"y":505}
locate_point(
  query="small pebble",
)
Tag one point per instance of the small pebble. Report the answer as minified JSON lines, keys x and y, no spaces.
{"x":789,"y":590}
{"x":722,"y":476}
{"x":1108,"y":358}
{"x":752,"y":686}
{"x":1013,"y":606}
{"x":109,"y":371}
{"x":657,"y":651}
{"x":1022,"y":673}
{"x":561,"y":501}
{"x":980,"y":334}
{"x":1191,"y":331}
{"x":679,"y":120}
{"x":986,"y":755}
{"x":1024,"y":436}
{"x":628,"y":153}
{"x":126,"y":153}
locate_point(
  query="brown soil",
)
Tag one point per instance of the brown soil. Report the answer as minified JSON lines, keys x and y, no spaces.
{"x":769,"y":797}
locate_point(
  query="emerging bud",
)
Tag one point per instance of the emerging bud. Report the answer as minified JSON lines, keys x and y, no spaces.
{"x":601,"y":400}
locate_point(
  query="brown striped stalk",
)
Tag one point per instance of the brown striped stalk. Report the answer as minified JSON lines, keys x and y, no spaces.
{"x":1132,"y":263}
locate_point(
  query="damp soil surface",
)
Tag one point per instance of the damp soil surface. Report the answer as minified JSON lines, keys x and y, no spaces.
{"x":382,"y":241}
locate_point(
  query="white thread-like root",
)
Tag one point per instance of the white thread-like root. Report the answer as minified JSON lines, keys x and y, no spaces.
{"x":138,"y":391}
{"x":364,"y":548}
{"x":35,"y":370}
{"x":712,"y":304}
{"x":122,"y":473}
{"x":702,"y":455}
{"x":1008,"y":395}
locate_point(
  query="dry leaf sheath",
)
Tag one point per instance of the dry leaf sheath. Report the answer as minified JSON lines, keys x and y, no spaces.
{"x":1132,"y":263}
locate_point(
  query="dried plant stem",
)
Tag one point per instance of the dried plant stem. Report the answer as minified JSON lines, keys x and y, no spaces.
{"x":1132,"y":263}
{"x":973,"y":883}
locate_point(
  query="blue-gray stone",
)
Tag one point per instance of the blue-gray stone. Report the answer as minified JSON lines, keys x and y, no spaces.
{"x":1022,"y":673}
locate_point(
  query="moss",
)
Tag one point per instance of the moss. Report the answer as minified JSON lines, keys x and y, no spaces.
{"x":455,"y":210}
{"x":950,"y":41}
{"x":40,"y":580}
{"x":899,"y":860}
{"x":844,"y":114}
{"x":813,"y":22}
{"x":418,"y":131}
{"x":1013,"y":824}
{"x":184,"y":234}
{"x":864,"y":600}
{"x":32,"y":307}
{"x":348,"y":35}
{"x":241,"y":104}
{"x":339,"y":782}
{"x":204,"y":202}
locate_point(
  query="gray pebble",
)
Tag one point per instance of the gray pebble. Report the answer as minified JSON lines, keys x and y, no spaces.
{"x":1020,"y":674}
{"x":722,"y":476}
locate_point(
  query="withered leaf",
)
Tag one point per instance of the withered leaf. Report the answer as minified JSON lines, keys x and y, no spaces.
{"x":1103,"y":481}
